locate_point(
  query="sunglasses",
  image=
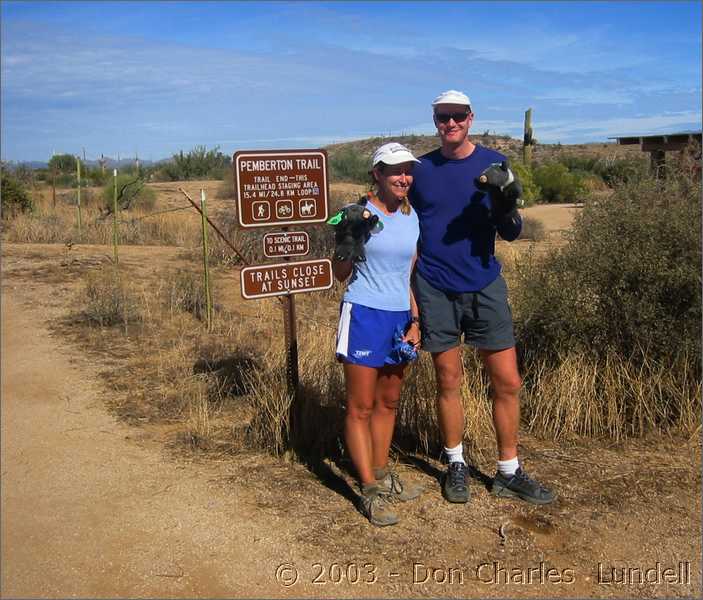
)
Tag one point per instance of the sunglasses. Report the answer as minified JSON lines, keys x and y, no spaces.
{"x":459,"y":117}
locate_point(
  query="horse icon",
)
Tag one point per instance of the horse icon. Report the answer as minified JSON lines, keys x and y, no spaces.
{"x":307,"y":208}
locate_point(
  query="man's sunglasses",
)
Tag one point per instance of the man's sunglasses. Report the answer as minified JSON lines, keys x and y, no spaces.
{"x":459,"y":117}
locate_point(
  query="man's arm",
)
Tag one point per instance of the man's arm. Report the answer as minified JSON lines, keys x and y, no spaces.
{"x":504,"y":191}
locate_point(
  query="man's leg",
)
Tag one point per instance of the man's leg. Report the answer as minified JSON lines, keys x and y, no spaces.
{"x":441,"y":336}
{"x":450,"y":411}
{"x":501,"y":366}
{"x":510,"y":480}
{"x":450,"y":414}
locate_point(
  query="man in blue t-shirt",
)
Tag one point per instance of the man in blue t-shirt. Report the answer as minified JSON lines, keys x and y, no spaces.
{"x":464,"y":194}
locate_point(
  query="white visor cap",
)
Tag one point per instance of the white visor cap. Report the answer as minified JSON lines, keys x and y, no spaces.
{"x":393,"y":153}
{"x":452,"y":97}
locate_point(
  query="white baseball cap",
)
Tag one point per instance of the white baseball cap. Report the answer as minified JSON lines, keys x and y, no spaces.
{"x":392,"y":153}
{"x":452,"y":97}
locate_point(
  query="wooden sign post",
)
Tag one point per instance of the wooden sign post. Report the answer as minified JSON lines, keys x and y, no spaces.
{"x":279,"y":188}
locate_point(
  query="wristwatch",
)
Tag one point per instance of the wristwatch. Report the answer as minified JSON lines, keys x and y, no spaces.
{"x":415,"y":320}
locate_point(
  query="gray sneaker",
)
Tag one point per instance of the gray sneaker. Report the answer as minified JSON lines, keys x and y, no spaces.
{"x":521,"y":485}
{"x":455,"y":487}
{"x":392,"y":485}
{"x":374,"y":505}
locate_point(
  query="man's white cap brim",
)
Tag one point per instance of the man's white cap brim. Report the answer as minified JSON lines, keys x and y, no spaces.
{"x":393,"y":153}
{"x":452,"y":97}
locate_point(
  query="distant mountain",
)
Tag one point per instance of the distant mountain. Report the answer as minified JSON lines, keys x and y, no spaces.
{"x":510,"y":147}
{"x":111,"y":163}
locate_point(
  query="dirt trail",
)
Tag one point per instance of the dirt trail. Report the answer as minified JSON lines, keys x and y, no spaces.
{"x":86,"y":511}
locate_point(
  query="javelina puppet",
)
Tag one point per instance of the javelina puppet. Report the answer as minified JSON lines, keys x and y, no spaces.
{"x":353,"y":225}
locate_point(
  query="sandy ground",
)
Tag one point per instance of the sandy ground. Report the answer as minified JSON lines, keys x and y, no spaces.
{"x":92,"y":507}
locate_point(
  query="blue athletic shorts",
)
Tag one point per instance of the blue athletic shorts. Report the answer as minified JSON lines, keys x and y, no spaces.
{"x":365,"y":335}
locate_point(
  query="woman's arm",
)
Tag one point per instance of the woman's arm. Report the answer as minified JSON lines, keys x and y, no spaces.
{"x":413,"y":334}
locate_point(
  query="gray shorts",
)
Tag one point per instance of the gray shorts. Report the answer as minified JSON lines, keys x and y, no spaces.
{"x":484,"y":317}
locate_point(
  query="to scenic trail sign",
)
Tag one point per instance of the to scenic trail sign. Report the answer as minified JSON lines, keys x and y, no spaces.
{"x":281,"y":279}
{"x":281,"y":187}
{"x":286,"y":243}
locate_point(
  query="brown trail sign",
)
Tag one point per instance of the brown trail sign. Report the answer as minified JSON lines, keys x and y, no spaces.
{"x":286,"y":278}
{"x":281,"y":187}
{"x":286,"y":243}
{"x":278,"y":188}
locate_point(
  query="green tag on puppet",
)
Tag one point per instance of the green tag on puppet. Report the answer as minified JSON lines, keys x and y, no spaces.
{"x":336,"y":219}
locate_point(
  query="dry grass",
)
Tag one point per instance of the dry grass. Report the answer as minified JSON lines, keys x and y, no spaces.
{"x":614,"y":397}
{"x":49,"y":224}
{"x":230,"y":386}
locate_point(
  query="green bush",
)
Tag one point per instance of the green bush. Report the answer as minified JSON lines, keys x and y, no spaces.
{"x":96,"y":177}
{"x":530,"y":190}
{"x":558,"y":184}
{"x":612,"y":171}
{"x":63,"y":163}
{"x":14,"y":197}
{"x":617,"y":171}
{"x":199,"y":163}
{"x":628,"y":280}
{"x":131,"y":193}
{"x":349,"y":165}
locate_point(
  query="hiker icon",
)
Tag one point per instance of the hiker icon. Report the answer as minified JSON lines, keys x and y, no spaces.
{"x":260,"y":211}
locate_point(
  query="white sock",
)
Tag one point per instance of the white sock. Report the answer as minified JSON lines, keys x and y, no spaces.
{"x":508,"y":467}
{"x":455,"y":454}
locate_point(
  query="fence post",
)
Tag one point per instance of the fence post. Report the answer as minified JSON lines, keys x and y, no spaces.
{"x":78,"y":177}
{"x":208,"y":295}
{"x":114,"y":216}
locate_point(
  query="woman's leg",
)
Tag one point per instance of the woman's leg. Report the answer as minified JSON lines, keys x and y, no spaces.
{"x":387,"y":394}
{"x":361,"y":389}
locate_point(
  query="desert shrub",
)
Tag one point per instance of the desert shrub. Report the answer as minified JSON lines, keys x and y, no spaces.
{"x":612,"y":171}
{"x":618,"y":171}
{"x":187,"y":293}
{"x":131,"y":193}
{"x":66,"y":180}
{"x":628,"y":280}
{"x":63,"y":163}
{"x":558,"y":184}
{"x":532,"y":229}
{"x":96,"y":177}
{"x":108,"y":300}
{"x":23,"y":173}
{"x":198,"y":163}
{"x":15,"y":198}
{"x":586,"y":164}
{"x":608,"y":326}
{"x":349,"y":165}
{"x":530,"y":190}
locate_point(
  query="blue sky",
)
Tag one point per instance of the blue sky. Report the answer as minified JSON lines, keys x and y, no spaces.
{"x":156,"y":77}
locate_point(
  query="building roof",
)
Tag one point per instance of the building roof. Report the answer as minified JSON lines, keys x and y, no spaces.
{"x":667,"y":138}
